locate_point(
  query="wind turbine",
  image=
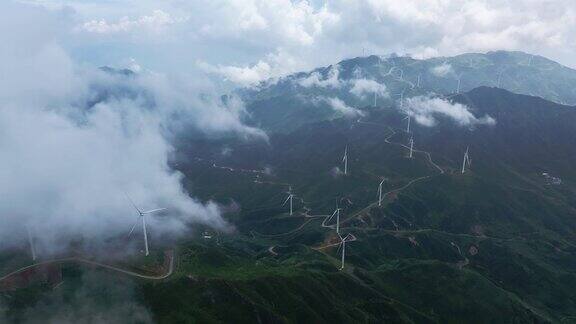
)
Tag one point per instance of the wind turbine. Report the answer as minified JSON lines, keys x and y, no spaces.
{"x":401,"y":95}
{"x":499,"y":79}
{"x":31,"y":243}
{"x":459,"y":81}
{"x":418,"y":81}
{"x":411,"y":142}
{"x":345,"y":160}
{"x":401,"y":74}
{"x":342,"y":244}
{"x":380,"y":192}
{"x":408,"y":117}
{"x":465,"y":161}
{"x":289,"y":198}
{"x":142,"y":218}
{"x":337,"y":214}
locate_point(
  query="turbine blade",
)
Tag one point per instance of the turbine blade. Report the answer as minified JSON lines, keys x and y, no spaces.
{"x":334,"y":214}
{"x":347,"y":238}
{"x":132,"y":202}
{"x":339,"y":246}
{"x":285,"y":201}
{"x":154,"y":210}
{"x":133,"y":227}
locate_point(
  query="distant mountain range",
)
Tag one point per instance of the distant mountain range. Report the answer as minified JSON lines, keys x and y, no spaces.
{"x":284,"y":104}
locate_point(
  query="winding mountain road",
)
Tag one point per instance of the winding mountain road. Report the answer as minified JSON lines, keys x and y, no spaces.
{"x":169,"y":254}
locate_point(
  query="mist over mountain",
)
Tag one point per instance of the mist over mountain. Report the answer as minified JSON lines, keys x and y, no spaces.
{"x":287,"y":102}
{"x":267,"y":161}
{"x":482,"y":241}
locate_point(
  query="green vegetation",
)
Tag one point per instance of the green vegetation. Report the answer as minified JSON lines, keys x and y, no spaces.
{"x":496,"y":244}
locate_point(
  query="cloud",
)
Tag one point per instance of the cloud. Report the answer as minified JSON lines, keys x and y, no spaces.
{"x":335,"y":172}
{"x":340,"y":107}
{"x":74,"y":139}
{"x":442,"y":70}
{"x":363,"y":87}
{"x":243,"y":76}
{"x":425,"y":111}
{"x":93,"y":297}
{"x":156,"y":22}
{"x":308,"y":34}
{"x":316,"y":79}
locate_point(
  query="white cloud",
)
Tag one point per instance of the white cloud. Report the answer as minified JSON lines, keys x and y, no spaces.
{"x":155,"y":22}
{"x":340,"y":107}
{"x":425,"y":111}
{"x":442,"y":70}
{"x":74,"y":138}
{"x":315,"y":79}
{"x":243,"y":76}
{"x":363,"y":87}
{"x":308,"y":34}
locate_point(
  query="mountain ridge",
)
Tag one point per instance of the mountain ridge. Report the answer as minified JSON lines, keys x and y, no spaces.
{"x":371,"y":82}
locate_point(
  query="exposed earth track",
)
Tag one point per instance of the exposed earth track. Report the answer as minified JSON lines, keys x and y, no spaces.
{"x":169,"y":254}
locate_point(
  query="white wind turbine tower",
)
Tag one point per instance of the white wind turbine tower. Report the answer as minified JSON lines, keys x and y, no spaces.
{"x":401,"y":95}
{"x":418,"y":81}
{"x":142,"y":218}
{"x":498,"y":83}
{"x":345,"y":160}
{"x":411,"y":142}
{"x":459,"y":81}
{"x":337,"y":214}
{"x":31,"y":243}
{"x":408,"y":118}
{"x":289,"y":198}
{"x":465,"y":161}
{"x":380,"y":192}
{"x":343,"y":241}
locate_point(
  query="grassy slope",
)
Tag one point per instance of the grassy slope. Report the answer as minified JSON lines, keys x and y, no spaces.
{"x":494,"y":245}
{"x":521,"y":230}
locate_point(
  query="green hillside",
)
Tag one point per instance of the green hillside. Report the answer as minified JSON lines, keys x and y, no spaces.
{"x":285,"y":104}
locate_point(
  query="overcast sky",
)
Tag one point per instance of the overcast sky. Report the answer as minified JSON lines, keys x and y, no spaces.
{"x":248,"y":40}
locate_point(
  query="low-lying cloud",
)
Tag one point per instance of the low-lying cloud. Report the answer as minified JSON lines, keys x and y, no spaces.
{"x":244,"y":76}
{"x":362,"y":88}
{"x":425,"y":111}
{"x":340,"y":107}
{"x":442,"y":70}
{"x":315,"y":79}
{"x":75,"y":139}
